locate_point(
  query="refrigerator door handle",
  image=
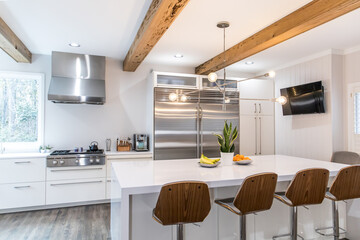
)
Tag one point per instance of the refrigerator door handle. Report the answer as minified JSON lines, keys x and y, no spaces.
{"x":197,"y":132}
{"x":255,"y":136}
{"x":201,"y":130}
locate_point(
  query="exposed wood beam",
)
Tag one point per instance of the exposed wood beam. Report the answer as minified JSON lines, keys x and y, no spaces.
{"x":12,"y":45}
{"x":158,"y":19}
{"x":305,"y":18}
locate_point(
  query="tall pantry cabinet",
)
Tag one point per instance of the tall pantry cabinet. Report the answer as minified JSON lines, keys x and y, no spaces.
{"x":257,"y":118}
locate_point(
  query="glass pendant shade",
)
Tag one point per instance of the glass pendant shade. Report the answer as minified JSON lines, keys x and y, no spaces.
{"x":212,"y":77}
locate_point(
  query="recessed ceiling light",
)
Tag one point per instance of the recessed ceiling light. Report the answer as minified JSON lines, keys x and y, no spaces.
{"x":178,"y":55}
{"x":74,"y":45}
{"x":249,"y":63}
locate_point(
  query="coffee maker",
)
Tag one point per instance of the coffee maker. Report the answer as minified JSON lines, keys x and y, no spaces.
{"x":141,"y":142}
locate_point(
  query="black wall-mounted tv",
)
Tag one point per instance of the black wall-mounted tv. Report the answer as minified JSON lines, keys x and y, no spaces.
{"x":304,"y":99}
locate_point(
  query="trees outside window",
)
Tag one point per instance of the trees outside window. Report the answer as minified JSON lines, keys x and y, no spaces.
{"x":21,"y":110}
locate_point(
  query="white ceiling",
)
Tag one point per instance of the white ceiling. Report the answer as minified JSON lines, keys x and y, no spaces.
{"x":108,"y":28}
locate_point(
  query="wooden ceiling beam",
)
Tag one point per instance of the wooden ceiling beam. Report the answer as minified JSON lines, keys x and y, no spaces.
{"x":158,"y":19}
{"x":12,"y":45}
{"x":309,"y":16}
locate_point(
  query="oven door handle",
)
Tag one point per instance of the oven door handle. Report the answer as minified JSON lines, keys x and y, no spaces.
{"x":81,"y":169}
{"x":72,"y":183}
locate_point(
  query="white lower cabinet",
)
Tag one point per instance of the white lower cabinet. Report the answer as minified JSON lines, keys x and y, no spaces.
{"x":18,"y":195}
{"x":75,"y":184}
{"x":62,"y":173}
{"x":22,"y":170}
{"x":72,"y":191}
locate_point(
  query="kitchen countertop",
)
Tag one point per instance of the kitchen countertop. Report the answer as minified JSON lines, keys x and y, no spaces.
{"x":151,"y":175}
{"x":23,"y":155}
{"x":130,"y":154}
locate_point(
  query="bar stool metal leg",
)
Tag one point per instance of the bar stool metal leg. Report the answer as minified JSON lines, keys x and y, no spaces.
{"x":180,"y":232}
{"x":242,"y":227}
{"x":293,"y":225}
{"x":335,"y":211}
{"x":336,"y":226}
{"x":293,"y":217}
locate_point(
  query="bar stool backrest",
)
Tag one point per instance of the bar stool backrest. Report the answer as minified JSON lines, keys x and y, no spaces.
{"x":308,"y":187}
{"x":183,"y":202}
{"x":346,"y":157}
{"x":347,"y":183}
{"x":256,"y":193}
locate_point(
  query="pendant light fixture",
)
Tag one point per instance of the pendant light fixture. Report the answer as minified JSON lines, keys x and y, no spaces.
{"x":212,"y":77}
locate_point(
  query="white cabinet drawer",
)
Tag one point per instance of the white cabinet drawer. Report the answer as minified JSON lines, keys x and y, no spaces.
{"x":71,"y":191}
{"x":19,"y":195}
{"x":22,"y":170}
{"x":62,"y":173}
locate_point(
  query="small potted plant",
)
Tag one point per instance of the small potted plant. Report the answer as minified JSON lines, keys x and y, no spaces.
{"x":226,"y":142}
{"x":42,"y":149}
{"x":48,"y":148}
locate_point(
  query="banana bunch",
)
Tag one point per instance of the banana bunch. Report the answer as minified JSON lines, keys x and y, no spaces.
{"x":207,"y":160}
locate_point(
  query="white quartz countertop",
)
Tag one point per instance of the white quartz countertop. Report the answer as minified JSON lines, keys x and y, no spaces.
{"x":130,"y":154}
{"x":23,"y":155}
{"x":127,"y":155}
{"x":137,"y":177}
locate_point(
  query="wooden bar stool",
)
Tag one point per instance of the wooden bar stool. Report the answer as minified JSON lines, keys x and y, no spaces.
{"x":308,"y":187}
{"x":346,"y":186}
{"x":256,"y":194}
{"x":182,"y":202}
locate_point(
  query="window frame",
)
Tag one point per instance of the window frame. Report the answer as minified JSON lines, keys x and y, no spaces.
{"x":29,"y":146}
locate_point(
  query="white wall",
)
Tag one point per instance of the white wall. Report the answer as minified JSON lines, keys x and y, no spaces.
{"x":305,"y":135}
{"x":68,"y":125}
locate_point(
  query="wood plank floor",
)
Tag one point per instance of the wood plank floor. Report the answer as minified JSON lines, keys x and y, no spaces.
{"x":90,"y":222}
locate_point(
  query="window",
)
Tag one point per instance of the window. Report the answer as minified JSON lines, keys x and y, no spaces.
{"x":21,"y":110}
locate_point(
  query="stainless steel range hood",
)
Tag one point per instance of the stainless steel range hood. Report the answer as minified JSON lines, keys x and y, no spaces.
{"x":77,"y":78}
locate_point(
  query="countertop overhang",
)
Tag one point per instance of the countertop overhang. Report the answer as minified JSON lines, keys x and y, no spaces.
{"x":139,"y":177}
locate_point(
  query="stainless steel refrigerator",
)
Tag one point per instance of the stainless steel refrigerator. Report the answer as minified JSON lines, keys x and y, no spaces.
{"x":185,"y":130}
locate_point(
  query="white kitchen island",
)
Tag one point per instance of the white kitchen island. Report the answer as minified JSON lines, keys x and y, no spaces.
{"x":136,"y":184}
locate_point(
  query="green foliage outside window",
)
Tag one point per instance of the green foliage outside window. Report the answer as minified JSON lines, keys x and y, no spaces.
{"x":19,"y":108}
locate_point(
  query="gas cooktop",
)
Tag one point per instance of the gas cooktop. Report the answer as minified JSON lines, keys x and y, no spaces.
{"x":68,"y":158}
{"x":69,"y":152}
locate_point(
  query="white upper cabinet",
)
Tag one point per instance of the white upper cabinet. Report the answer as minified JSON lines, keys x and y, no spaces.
{"x":232,"y":84}
{"x":175,"y":80}
{"x":263,"y":89}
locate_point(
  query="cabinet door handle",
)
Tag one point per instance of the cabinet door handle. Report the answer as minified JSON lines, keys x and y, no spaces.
{"x":255,"y":135}
{"x":81,"y":169}
{"x":73,"y":183}
{"x":21,"y":162}
{"x":108,"y":180}
{"x":259,"y":107}
{"x":255,"y":110}
{"x":260,"y":134}
{"x":17,"y":187}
